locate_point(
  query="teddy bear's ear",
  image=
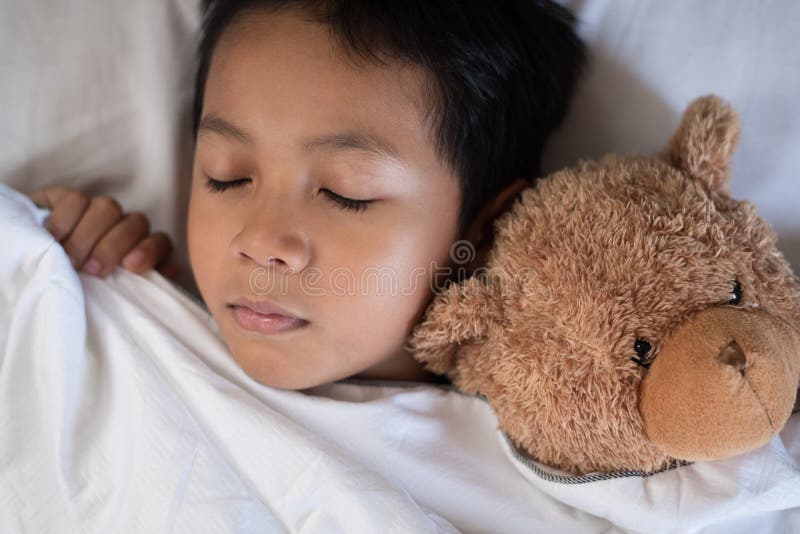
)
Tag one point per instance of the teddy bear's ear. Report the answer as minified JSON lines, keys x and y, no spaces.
{"x":464,"y":312}
{"x":704,"y":142}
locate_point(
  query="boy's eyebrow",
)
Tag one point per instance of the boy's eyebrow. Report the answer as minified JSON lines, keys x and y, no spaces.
{"x":339,"y":141}
{"x":218,"y":125}
{"x":353,"y":141}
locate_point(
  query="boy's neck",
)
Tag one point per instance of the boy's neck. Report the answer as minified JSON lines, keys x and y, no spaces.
{"x":402,"y":366}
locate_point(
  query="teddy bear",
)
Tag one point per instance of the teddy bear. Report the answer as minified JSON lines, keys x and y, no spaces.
{"x":631,"y":315}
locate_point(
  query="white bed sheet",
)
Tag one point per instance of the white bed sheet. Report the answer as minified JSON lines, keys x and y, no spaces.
{"x":122,"y":411}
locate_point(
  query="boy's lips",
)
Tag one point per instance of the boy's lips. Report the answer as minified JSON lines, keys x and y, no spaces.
{"x":264,"y":316}
{"x":264,"y":307}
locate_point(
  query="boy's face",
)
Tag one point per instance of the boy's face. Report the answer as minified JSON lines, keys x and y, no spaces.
{"x":309,"y":123}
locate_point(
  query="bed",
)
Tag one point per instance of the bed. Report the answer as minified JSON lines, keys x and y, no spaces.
{"x":120,"y":409}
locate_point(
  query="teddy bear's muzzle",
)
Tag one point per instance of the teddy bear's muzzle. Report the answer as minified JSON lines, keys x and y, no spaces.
{"x":723,"y":383}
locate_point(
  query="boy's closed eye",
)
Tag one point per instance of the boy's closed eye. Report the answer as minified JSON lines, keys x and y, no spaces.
{"x":350,"y":204}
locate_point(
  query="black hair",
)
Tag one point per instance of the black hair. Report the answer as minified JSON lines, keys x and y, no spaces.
{"x":502,"y":73}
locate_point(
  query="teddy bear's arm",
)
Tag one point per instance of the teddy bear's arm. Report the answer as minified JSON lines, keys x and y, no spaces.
{"x":464,"y":312}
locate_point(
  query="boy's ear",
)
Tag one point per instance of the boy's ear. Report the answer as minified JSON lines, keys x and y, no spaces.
{"x":464,"y":312}
{"x":704,"y":142}
{"x":481,"y":229}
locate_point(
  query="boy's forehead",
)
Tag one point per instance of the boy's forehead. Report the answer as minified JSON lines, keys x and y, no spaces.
{"x":279,"y":70}
{"x":283,"y":51}
{"x":364,"y":142}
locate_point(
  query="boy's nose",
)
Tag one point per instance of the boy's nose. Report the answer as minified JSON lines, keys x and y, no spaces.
{"x":272,"y":241}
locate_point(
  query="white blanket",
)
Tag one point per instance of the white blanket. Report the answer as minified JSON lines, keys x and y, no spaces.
{"x":122,"y":411}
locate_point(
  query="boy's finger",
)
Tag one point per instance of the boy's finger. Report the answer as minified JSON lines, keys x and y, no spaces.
{"x":116,"y":243}
{"x":169,"y":268}
{"x":48,"y":197}
{"x":68,"y":208}
{"x":150,"y":251}
{"x":101,"y":215}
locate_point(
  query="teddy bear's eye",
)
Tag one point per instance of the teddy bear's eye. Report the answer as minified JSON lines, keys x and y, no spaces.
{"x":642,"y":349}
{"x":736,"y":294}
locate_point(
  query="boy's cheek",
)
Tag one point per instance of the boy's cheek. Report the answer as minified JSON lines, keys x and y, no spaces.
{"x":205,"y":259}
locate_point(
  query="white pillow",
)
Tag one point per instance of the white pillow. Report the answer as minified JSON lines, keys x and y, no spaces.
{"x":97,"y":95}
{"x":650,"y":58}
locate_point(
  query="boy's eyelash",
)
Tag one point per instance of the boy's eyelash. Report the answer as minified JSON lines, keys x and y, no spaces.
{"x":218,"y":186}
{"x":347,"y":203}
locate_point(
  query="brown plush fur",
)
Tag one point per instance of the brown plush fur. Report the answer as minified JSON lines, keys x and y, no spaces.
{"x":595,"y":257}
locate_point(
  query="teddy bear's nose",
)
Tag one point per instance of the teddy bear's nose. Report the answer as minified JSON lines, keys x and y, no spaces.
{"x":693,"y":401}
{"x":733,"y":355}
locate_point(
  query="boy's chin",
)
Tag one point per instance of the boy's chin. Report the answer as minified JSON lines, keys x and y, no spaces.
{"x":276,"y":372}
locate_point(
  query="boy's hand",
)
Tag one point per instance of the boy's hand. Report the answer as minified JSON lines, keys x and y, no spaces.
{"x":98,"y":236}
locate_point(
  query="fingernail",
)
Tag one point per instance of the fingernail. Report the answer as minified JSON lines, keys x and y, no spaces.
{"x":93,"y":266}
{"x":134,"y":259}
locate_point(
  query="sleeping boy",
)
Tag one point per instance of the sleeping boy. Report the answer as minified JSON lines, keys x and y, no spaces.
{"x":339,"y":138}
